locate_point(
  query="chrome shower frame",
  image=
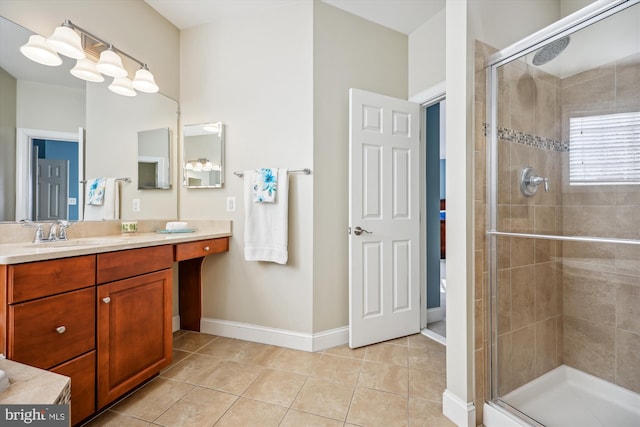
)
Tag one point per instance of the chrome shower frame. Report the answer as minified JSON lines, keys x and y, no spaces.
{"x":589,"y":15}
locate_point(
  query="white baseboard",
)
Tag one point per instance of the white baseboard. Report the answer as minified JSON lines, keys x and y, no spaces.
{"x":435,"y":314}
{"x":273,"y":336}
{"x":462,"y":413}
{"x":175,"y":323}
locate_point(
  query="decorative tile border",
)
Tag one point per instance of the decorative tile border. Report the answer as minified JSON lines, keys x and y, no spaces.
{"x":512,"y":135}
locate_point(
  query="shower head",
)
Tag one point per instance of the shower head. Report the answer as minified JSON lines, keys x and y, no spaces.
{"x":550,"y":51}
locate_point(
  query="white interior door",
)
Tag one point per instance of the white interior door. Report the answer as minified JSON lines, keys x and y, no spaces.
{"x":384,"y":223}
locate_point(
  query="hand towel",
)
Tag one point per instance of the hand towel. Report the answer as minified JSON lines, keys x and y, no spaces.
{"x":96,"y":191}
{"x":110,"y":208}
{"x":266,"y":228}
{"x":265,"y":185}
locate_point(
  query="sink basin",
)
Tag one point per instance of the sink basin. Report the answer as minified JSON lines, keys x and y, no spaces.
{"x":76,"y":242}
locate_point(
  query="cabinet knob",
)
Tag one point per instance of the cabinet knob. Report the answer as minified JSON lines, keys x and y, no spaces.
{"x":61,"y":329}
{"x":206,"y":248}
{"x":106,"y":300}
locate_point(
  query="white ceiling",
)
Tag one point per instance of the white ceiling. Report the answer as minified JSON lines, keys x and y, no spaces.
{"x":401,"y":15}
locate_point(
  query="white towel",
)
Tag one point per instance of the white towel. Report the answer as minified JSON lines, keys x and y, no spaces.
{"x":266,"y":230}
{"x":110,"y":208}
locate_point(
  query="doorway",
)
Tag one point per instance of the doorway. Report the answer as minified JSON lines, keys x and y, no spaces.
{"x":435,"y":207}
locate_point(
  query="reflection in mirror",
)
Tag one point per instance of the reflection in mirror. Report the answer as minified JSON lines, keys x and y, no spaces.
{"x":38,"y":101}
{"x":203,"y":155}
{"x":154,"y":171}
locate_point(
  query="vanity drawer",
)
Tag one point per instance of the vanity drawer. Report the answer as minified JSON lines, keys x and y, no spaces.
{"x":82,"y":371}
{"x":201,"y":248}
{"x":118,"y":265}
{"x":42,"y":278}
{"x":49,"y":331}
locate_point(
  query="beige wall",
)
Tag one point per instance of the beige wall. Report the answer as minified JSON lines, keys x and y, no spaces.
{"x":254,"y":73}
{"x":8,"y":89}
{"x":51,"y":107}
{"x":427,"y":54}
{"x":343,"y":58}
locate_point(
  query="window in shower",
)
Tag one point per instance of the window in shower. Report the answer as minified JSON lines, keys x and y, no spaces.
{"x":605,"y":149}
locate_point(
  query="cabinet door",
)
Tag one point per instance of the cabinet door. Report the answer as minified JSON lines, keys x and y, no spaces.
{"x":134,"y":332}
{"x":82,"y":371}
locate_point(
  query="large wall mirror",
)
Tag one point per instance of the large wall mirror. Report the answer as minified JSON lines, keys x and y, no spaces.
{"x":41,"y":111}
{"x":203,"y":154}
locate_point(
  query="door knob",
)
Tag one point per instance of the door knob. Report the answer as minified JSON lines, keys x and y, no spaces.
{"x":358,"y":231}
{"x":61,"y":329}
{"x":106,"y":300}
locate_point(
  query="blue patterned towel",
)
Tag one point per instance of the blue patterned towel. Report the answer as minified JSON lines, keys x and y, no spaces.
{"x":96,"y":191}
{"x":265,"y":184}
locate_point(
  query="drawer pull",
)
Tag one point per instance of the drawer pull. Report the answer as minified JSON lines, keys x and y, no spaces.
{"x":106,"y":300}
{"x":61,"y":329}
{"x":206,"y":248}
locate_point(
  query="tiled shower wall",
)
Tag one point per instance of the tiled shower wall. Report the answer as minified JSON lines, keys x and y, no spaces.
{"x":601,"y":282}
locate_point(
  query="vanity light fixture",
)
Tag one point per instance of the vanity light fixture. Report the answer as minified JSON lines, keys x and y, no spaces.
{"x":85,"y":69}
{"x":38,"y":51}
{"x":213,"y":128}
{"x":75,"y":42}
{"x":67,"y":42}
{"x":122,"y":86}
{"x":201,"y":165}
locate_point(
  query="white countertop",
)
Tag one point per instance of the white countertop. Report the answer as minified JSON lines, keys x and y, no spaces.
{"x":16,"y":253}
{"x":29,"y":385}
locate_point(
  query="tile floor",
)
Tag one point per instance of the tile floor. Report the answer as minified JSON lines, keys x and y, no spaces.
{"x":217,"y":381}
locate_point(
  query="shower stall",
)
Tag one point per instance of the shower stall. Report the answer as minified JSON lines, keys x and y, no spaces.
{"x":563,"y":216}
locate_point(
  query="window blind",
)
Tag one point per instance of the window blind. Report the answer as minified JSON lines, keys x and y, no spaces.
{"x":604,"y":149}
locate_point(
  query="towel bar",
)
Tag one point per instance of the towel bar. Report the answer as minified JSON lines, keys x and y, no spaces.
{"x":125,"y":179}
{"x":305,"y":171}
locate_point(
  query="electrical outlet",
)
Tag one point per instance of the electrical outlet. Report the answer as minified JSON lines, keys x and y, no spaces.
{"x":135,"y":205}
{"x":72,"y":201}
{"x":231,"y":204}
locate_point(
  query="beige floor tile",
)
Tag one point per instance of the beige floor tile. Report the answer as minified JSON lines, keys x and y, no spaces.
{"x":346,"y":351}
{"x":277,"y":387}
{"x":300,"y":362}
{"x":266,"y":355}
{"x":374,"y":408}
{"x":194,"y":365}
{"x":228,"y":376}
{"x":192,"y":341}
{"x":153,"y":399}
{"x":427,"y":384}
{"x":420,"y":341}
{"x":421,"y":358}
{"x":325,"y":398}
{"x":399,"y":341}
{"x":384,"y":377}
{"x":200,"y":407}
{"x":337,"y":368}
{"x":388,"y":353}
{"x":425,"y":413}
{"x":114,"y":419}
{"x":247,"y":412}
{"x":227,"y":348}
{"x":298,"y":419}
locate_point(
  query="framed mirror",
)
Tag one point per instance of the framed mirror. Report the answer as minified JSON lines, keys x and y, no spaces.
{"x":154,"y":166}
{"x":203,"y":154}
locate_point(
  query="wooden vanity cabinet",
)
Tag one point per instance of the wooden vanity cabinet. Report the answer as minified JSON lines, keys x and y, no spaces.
{"x":50,"y":322}
{"x":134,"y":335}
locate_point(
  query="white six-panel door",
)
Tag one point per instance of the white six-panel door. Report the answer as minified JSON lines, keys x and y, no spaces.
{"x":384,"y":224}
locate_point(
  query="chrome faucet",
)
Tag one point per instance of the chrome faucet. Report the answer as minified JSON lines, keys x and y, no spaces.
{"x":57,"y":231}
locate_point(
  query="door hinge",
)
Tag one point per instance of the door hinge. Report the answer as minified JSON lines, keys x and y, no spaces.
{"x":349,"y":230}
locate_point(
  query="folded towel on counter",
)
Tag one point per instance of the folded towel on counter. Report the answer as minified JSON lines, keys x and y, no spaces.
{"x":96,"y":188}
{"x":265,"y":184}
{"x":266,"y":231}
{"x":110,"y":208}
{"x":176,"y":225}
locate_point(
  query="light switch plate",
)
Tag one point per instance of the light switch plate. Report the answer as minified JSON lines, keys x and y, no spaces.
{"x":135,"y":205}
{"x":231,"y":204}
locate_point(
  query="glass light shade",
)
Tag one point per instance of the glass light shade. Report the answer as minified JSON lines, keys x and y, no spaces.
{"x":144,"y":82}
{"x":122,"y":86}
{"x":198,"y":167}
{"x":85,"y":69}
{"x":189,"y":166}
{"x":66,"y":41}
{"x":208,"y":166}
{"x":110,"y":64}
{"x":37,"y":50}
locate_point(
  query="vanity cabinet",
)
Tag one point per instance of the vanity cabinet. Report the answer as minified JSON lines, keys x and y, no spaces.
{"x":134,"y":318}
{"x":51,"y":322}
